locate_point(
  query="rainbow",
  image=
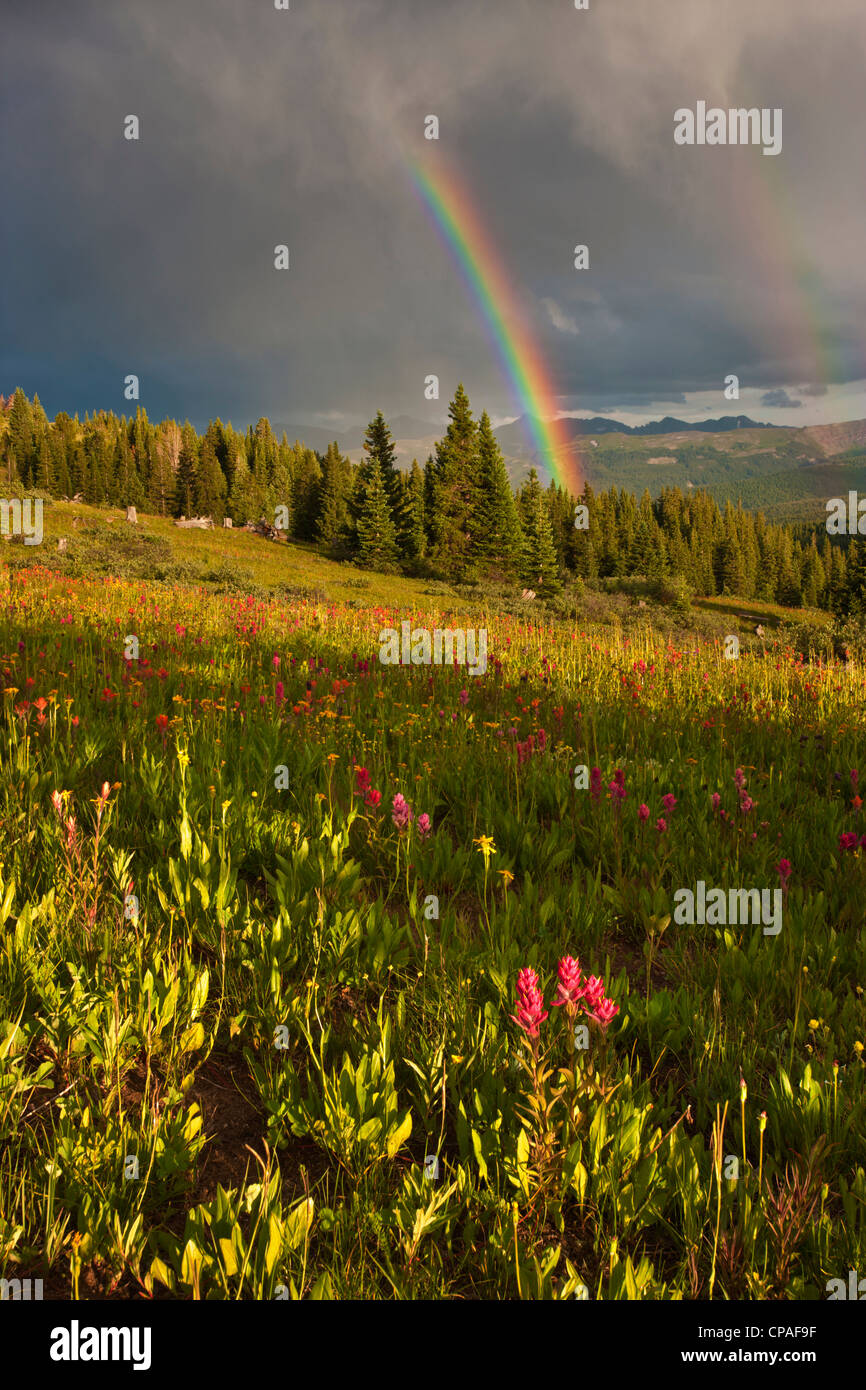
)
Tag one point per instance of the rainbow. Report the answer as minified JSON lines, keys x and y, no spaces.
{"x":452,"y":210}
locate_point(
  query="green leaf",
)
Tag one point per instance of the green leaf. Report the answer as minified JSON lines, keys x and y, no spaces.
{"x":397,"y":1137}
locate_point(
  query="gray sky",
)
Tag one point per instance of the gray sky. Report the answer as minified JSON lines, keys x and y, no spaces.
{"x":261,"y":127}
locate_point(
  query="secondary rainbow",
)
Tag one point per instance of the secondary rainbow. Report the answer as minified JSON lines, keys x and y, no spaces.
{"x":481,"y":266}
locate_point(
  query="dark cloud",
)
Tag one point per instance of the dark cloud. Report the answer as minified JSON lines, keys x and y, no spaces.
{"x":260,"y":127}
{"x":780,"y":400}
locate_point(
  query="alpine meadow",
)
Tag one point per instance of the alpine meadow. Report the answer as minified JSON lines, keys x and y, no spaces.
{"x":432,"y":839}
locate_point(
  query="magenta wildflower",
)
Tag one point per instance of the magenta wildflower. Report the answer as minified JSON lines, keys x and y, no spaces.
{"x":595,"y":783}
{"x":401,"y":812}
{"x":643,"y":812}
{"x":569,"y":988}
{"x":605,"y":1011}
{"x":669,"y":801}
{"x":424,"y":824}
{"x":661,"y":825}
{"x":531,"y":1012}
{"x":593,"y":992}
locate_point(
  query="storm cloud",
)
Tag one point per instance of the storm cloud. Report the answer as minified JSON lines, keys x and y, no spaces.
{"x":261,"y":127}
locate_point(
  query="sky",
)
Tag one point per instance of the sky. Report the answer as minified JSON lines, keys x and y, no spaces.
{"x":261,"y":127}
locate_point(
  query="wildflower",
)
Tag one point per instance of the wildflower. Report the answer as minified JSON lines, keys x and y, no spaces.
{"x":424,"y":824}
{"x":279,"y":692}
{"x":162,"y":722}
{"x":485,"y":846}
{"x":661,"y":825}
{"x":740,"y":778}
{"x":569,"y":989}
{"x":57,"y":802}
{"x":856,"y":802}
{"x":848,"y":841}
{"x":275,"y":662}
{"x":464,"y":697}
{"x":605,"y":1011}
{"x":595,"y":783}
{"x":715,"y":798}
{"x":530,"y":1004}
{"x":362,"y":780}
{"x":372,"y":798}
{"x":643,"y":812}
{"x":669,"y":801}
{"x":401,"y":812}
{"x":542,"y":740}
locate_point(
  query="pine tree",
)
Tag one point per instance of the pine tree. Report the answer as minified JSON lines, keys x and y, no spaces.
{"x":306,"y":490}
{"x":333,"y":520}
{"x":380,"y":446}
{"x":187,"y":471}
{"x":377,"y":547}
{"x":495,"y":529}
{"x":413,"y":537}
{"x":166,"y":455}
{"x":539,"y":567}
{"x":210,"y":483}
{"x":20,"y":436}
{"x":454,"y":483}
{"x":243,"y":505}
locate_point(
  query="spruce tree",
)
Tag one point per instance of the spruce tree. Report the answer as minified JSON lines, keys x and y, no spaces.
{"x":377,"y":547}
{"x":413,"y":537}
{"x":495,"y":529}
{"x":210,"y":484}
{"x":187,"y":471}
{"x":333,"y":519}
{"x":454,"y":484}
{"x":243,"y":503}
{"x":539,"y":567}
{"x":380,"y":446}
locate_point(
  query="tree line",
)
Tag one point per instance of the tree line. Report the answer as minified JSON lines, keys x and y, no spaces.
{"x":457,"y":517}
